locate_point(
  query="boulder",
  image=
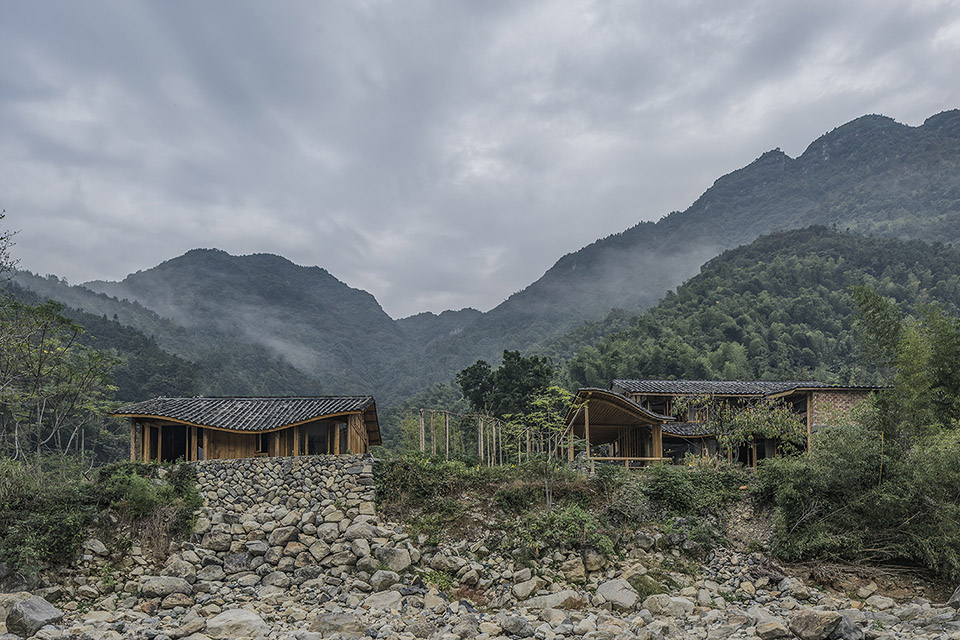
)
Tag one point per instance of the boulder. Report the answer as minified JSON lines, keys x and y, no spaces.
{"x":881,"y":603}
{"x":27,"y":616}
{"x":566,"y":599}
{"x":772,"y":630}
{"x":280,"y":536}
{"x":358,"y":531}
{"x":383,"y":601}
{"x":515,"y":626}
{"x":524,"y":590}
{"x":660,"y":604}
{"x":954,"y":600}
{"x":592,"y":560}
{"x":95,"y":547}
{"x":810,"y":624}
{"x":180,"y":569}
{"x":382,"y":580}
{"x":396,"y":560}
{"x":346,"y":625}
{"x":217,"y":541}
{"x":236,"y":562}
{"x":211,"y":573}
{"x":236,"y":623}
{"x":257,"y":547}
{"x":163,"y":586}
{"x":574,"y":570}
{"x":620,"y":594}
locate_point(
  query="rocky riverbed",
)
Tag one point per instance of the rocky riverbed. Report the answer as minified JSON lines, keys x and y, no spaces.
{"x":302,"y":554}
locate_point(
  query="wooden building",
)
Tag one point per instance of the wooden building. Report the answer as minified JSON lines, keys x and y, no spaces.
{"x":201,"y":428}
{"x":818,"y":403}
{"x":615,"y":428}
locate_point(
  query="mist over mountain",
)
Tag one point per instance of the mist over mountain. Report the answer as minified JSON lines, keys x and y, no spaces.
{"x":872,"y":175}
{"x":261,"y":323}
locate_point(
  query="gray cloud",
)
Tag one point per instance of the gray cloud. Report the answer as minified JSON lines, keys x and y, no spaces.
{"x":437,"y":154}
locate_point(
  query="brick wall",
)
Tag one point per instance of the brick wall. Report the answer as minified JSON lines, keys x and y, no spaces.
{"x":827,"y":407}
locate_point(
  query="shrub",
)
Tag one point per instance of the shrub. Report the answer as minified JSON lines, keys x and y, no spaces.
{"x":48,"y":504}
{"x":856,"y":498}
{"x":566,"y":527}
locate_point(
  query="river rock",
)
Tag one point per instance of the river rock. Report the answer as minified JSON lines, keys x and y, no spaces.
{"x":236,"y":623}
{"x":810,"y":624}
{"x":27,"y":616}
{"x":396,"y":560}
{"x":163,"y":586}
{"x":620,"y":594}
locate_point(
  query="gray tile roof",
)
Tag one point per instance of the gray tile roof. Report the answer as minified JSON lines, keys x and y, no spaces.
{"x":686,"y":429}
{"x":247,"y":414}
{"x":715,"y":387}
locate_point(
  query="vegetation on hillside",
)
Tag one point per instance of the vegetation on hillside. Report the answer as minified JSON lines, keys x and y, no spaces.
{"x":50,"y":504}
{"x":885,"y":486}
{"x":778,"y":308}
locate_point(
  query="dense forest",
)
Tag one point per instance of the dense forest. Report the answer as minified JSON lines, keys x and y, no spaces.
{"x":778,"y":308}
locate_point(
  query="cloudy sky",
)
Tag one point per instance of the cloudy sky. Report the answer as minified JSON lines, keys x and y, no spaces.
{"x":437,"y":154}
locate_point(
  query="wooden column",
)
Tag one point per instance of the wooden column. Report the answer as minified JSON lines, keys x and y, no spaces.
{"x":336,"y":438}
{"x":206,"y":444}
{"x":446,"y":434}
{"x":195,"y":445}
{"x":133,"y":440}
{"x":809,"y":414}
{"x":423,"y":438}
{"x":479,"y":440}
{"x":586,"y":427}
{"x":296,"y":441}
{"x":570,"y":453}
{"x":144,"y":442}
{"x":657,"y":432}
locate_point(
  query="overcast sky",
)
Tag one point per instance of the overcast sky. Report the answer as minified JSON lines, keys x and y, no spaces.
{"x":437,"y":154}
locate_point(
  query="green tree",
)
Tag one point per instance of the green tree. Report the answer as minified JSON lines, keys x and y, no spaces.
{"x":52,"y":387}
{"x":509,"y":387}
{"x":544,"y":421}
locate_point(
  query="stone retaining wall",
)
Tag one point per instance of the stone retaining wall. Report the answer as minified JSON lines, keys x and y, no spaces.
{"x":305,"y":483}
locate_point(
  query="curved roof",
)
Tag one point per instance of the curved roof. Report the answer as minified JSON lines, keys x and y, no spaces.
{"x":618,"y":400}
{"x":255,"y":414}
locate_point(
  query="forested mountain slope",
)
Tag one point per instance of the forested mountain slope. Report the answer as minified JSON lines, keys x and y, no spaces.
{"x":226,"y":366}
{"x":779,"y":307}
{"x":872,"y":175}
{"x":303,"y":315}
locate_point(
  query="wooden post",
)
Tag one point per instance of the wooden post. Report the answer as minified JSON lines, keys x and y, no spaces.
{"x":446,"y":434}
{"x":144,"y":440}
{"x":133,"y":440}
{"x":809,"y":414}
{"x":586,"y":427}
{"x":658,"y":440}
{"x":336,"y":439}
{"x":423,"y":438}
{"x":296,"y":440}
{"x":206,"y":444}
{"x":159,"y":443}
{"x":570,"y":453}
{"x":480,"y":440}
